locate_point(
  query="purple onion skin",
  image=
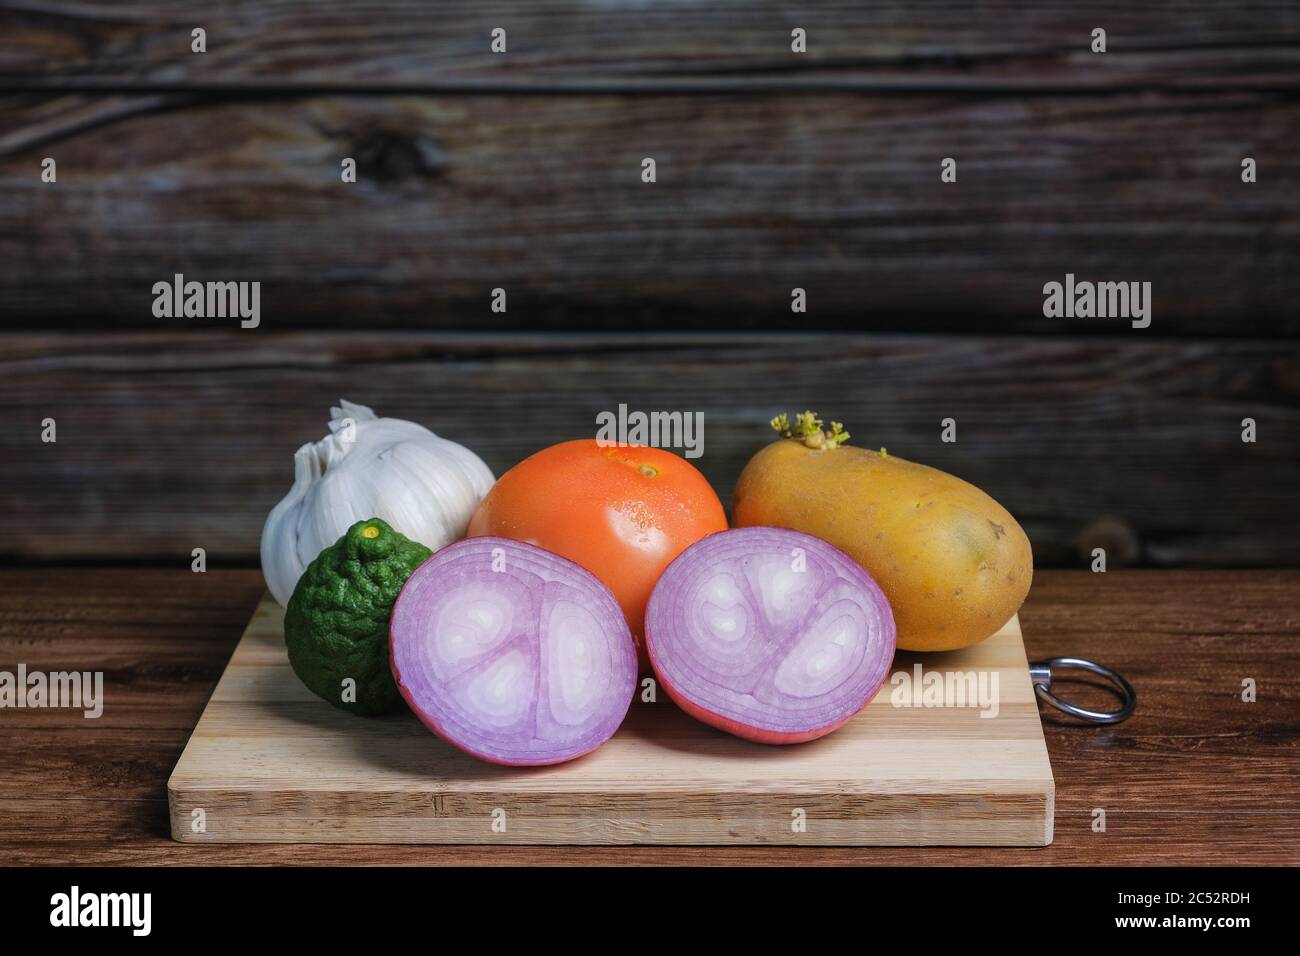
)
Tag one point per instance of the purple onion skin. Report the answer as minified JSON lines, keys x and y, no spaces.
{"x":536,"y":590}
{"x":737,"y":555}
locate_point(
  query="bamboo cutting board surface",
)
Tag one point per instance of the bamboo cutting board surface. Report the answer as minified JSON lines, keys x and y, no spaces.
{"x":271,"y":763}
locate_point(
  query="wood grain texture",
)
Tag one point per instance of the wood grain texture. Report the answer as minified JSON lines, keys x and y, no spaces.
{"x":271,"y":763}
{"x":1191,"y":43}
{"x":171,"y":442}
{"x":838,"y":194}
{"x":1196,"y":777}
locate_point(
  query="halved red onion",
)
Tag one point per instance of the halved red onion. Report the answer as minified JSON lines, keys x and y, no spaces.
{"x":511,"y":653}
{"x":769,"y":634}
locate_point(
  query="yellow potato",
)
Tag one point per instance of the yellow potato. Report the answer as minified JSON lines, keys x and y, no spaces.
{"x":953,"y":562}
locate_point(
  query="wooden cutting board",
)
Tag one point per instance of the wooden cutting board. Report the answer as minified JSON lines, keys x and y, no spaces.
{"x":271,"y":763}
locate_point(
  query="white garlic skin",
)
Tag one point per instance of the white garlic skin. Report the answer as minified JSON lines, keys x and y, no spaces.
{"x":424,"y":486}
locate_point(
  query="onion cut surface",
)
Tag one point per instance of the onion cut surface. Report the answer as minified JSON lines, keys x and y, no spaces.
{"x":513,"y":654}
{"x":770,"y":634}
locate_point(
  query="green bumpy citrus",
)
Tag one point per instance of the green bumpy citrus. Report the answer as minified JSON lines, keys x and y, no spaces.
{"x":336,"y":624}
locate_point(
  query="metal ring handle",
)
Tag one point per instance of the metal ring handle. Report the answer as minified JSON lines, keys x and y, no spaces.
{"x":1040,"y":673}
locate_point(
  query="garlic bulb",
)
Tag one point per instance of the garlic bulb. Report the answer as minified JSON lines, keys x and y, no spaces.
{"x":367,"y":467}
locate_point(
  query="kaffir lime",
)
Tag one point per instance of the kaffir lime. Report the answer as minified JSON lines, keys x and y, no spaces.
{"x":336,"y":623}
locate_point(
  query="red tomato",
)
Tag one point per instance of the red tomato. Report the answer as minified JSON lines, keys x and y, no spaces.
{"x":623,"y":513}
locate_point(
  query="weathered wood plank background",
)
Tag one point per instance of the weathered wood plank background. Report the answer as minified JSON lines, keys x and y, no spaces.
{"x":838,"y":194}
{"x":417,"y":44}
{"x":775,"y":170}
{"x":170,"y":442}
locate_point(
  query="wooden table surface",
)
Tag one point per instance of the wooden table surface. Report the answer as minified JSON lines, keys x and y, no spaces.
{"x":1197,"y":776}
